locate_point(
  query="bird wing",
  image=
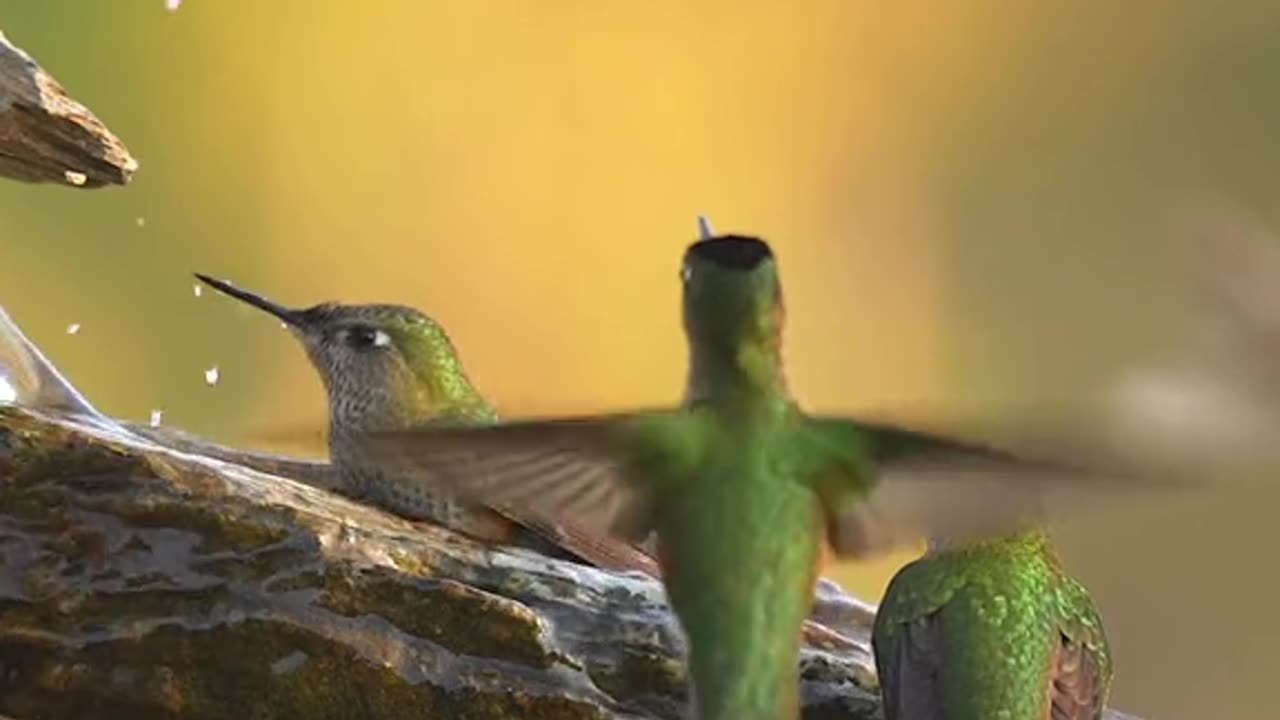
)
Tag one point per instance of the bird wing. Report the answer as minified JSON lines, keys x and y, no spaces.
{"x":1082,"y":670}
{"x":1078,"y":682}
{"x":594,"y":473}
{"x":920,"y":661}
{"x":885,"y":487}
{"x":909,"y":662}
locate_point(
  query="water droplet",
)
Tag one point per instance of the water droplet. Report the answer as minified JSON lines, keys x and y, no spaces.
{"x":197,"y":290}
{"x":211,"y":376}
{"x":141,"y":221}
{"x":73,"y":328}
{"x":172,"y":5}
{"x":155,"y":417}
{"x":8,"y":394}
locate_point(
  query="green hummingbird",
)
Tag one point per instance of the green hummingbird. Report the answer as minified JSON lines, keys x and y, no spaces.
{"x":742,"y":487}
{"x":391,"y":366}
{"x":990,"y":629}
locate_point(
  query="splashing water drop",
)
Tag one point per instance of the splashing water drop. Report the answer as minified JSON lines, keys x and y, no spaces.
{"x":211,"y":376}
{"x":8,"y":394}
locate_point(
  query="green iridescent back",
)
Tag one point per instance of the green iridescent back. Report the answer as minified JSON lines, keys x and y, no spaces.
{"x":990,"y":630}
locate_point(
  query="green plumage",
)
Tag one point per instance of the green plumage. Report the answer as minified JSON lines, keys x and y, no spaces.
{"x":738,"y":483}
{"x":742,"y":596}
{"x":994,"y":630}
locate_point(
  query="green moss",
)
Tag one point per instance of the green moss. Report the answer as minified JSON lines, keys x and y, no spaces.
{"x":226,"y":673}
{"x":218,"y":531}
{"x":257,"y":566}
{"x":150,"y":578}
{"x":98,"y":611}
{"x":301,"y":581}
{"x":447,"y":613}
{"x":32,"y":451}
{"x":643,"y":673}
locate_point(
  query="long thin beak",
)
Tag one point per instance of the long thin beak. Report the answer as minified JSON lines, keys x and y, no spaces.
{"x":289,"y":317}
{"x":704,"y":228}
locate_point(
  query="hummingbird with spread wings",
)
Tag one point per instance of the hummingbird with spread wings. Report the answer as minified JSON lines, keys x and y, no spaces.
{"x":742,"y":487}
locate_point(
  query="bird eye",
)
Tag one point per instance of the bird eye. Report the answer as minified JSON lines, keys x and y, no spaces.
{"x":365,"y":338}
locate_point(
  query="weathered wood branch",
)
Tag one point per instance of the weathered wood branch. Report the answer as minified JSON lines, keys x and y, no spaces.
{"x":146,"y":582}
{"x":46,"y":136}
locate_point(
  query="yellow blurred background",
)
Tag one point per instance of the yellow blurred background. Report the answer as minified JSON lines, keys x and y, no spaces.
{"x":965,"y":200}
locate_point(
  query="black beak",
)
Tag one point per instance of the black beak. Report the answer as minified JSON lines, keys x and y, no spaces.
{"x":292,"y":318}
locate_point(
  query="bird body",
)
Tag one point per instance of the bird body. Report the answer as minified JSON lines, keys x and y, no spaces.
{"x":738,"y":545}
{"x":991,"y":629}
{"x":391,"y":366}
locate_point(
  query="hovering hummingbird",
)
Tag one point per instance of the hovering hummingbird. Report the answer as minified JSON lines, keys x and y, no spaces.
{"x":390,"y":366}
{"x":741,"y":486}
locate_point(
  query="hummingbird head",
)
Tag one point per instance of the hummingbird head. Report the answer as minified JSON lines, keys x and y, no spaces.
{"x":380,"y":364}
{"x":732,"y":293}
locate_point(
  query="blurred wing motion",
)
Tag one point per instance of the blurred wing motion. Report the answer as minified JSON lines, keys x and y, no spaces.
{"x":888,"y":487}
{"x":1209,"y":396}
{"x":588,"y":472}
{"x":28,"y":378}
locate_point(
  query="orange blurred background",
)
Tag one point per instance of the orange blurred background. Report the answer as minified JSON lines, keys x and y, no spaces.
{"x":964,"y":200}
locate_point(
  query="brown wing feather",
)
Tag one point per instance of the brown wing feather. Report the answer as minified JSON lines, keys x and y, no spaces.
{"x":1075,"y":688}
{"x":573,"y":470}
{"x":601,"y":551}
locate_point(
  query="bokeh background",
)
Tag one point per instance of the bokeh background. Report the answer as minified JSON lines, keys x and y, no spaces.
{"x":968,"y":200}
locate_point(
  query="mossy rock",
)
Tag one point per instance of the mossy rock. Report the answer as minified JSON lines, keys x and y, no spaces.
{"x":141,"y":581}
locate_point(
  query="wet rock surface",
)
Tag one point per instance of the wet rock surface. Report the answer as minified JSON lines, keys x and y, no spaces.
{"x":140,"y":581}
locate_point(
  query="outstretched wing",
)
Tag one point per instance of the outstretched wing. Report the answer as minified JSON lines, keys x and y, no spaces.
{"x":596,"y":473}
{"x":886,"y":487}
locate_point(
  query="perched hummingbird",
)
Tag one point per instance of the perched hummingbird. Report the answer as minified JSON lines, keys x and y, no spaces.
{"x":391,"y":366}
{"x":742,"y":487}
{"x":990,"y":629}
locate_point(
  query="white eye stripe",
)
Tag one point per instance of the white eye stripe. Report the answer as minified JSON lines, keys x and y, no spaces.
{"x":381,"y":339}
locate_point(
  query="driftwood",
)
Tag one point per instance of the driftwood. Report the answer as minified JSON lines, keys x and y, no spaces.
{"x":46,"y":136}
{"x":140,"y":578}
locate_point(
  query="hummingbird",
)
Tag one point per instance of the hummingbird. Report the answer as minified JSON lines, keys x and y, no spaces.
{"x":745,"y":491}
{"x":388,"y":366}
{"x":993,"y":628}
